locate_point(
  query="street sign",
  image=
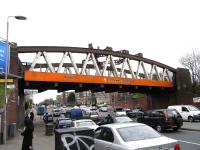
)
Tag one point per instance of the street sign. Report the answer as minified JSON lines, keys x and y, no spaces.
{"x":8,"y":80}
{"x":3,"y":58}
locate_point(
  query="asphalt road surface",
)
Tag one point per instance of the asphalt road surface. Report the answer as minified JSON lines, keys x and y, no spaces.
{"x":189,"y":140}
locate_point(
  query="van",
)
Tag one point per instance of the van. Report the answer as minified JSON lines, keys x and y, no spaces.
{"x":187,"y":112}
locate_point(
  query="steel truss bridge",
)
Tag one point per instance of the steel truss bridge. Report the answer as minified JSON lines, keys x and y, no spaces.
{"x":81,"y":69}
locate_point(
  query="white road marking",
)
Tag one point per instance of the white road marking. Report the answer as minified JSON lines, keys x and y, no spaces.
{"x":190,"y":143}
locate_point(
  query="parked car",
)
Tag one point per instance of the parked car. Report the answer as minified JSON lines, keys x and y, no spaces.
{"x":63,"y":123}
{"x":56,"y":112}
{"x":162,"y":119}
{"x":129,"y":136}
{"x":188,"y":112}
{"x":119,"y":111}
{"x":115,"y":119}
{"x":103,"y":109}
{"x":93,"y":115}
{"x":134,"y":113}
{"x":75,"y":113}
{"x":85,"y":123}
{"x":48,"y":117}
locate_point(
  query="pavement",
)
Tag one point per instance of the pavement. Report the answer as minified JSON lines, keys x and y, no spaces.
{"x":193,"y":126}
{"x":40,"y":140}
{"x":43,"y":142}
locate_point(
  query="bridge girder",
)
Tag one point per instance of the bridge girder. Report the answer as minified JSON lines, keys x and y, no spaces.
{"x":96,"y":62}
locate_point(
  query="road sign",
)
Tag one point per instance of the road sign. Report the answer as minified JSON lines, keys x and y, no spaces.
{"x":3,"y":57}
{"x":8,"y":80}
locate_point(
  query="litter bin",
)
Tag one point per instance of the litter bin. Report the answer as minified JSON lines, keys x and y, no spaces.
{"x":49,"y":129}
{"x":12,"y":129}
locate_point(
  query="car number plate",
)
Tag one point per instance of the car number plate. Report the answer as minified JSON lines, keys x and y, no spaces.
{"x":165,"y":148}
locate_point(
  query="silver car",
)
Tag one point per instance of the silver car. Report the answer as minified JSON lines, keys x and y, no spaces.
{"x":132,"y":136}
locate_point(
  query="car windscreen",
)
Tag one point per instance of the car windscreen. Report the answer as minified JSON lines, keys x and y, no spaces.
{"x":122,"y":119}
{"x":193,"y":108}
{"x":85,"y":123}
{"x":135,"y":133}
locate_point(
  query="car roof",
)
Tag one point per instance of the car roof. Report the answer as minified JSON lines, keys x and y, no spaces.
{"x":162,"y":109}
{"x":64,"y":119}
{"x":82,"y":120}
{"x":121,"y":125}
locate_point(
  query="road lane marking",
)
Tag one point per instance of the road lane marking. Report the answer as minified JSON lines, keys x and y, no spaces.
{"x":190,"y":143}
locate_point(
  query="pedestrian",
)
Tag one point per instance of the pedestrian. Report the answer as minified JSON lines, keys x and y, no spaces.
{"x":27,"y":132}
{"x":32,"y":116}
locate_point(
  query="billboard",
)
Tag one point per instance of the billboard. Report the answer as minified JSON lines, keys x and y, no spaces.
{"x":3,"y":58}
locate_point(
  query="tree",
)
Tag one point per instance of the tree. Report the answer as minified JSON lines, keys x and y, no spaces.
{"x":71,"y":98}
{"x":94,"y":100}
{"x":137,"y":95}
{"x":2,"y":95}
{"x":192,"y":62}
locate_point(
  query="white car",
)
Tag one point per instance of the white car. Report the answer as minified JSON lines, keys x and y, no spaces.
{"x":132,"y":136}
{"x":187,"y":112}
{"x":103,"y":109}
{"x":85,"y":123}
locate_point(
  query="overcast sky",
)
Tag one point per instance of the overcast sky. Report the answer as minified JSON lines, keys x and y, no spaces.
{"x":163,"y":30}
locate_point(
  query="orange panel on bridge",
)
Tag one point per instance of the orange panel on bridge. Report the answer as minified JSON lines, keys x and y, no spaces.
{"x":75,"y":78}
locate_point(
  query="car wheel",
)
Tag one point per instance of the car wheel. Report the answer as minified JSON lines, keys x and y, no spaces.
{"x":175,"y":129}
{"x":159,"y":128}
{"x":190,"y":119}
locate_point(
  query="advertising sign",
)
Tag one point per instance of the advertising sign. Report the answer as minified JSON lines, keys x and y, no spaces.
{"x":3,"y":57}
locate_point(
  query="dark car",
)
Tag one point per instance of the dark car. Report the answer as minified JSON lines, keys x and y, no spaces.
{"x":48,"y":117}
{"x":134,"y":113}
{"x":115,"y":119}
{"x":63,"y":123}
{"x":162,"y":119}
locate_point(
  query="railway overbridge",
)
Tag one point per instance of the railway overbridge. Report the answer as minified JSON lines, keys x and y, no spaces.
{"x":82,"y":69}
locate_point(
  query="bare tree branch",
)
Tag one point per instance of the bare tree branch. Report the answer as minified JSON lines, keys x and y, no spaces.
{"x":192,"y":62}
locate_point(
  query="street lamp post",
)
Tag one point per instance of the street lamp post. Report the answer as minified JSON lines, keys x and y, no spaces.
{"x":7,"y":68}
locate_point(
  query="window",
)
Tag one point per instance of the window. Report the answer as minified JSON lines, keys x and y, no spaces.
{"x":193,"y":108}
{"x":172,"y":113}
{"x":154,"y":114}
{"x":185,"y":109}
{"x":98,"y":133}
{"x":135,"y":133}
{"x":107,"y":135}
{"x":104,"y":134}
{"x":85,"y":123}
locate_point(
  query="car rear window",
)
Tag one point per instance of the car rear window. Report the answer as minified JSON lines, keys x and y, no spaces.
{"x":135,"y":133}
{"x":122,"y":119}
{"x":85,"y":123}
{"x":119,"y":109}
{"x":94,"y":113}
{"x":172,"y":113}
{"x":65,"y":122}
